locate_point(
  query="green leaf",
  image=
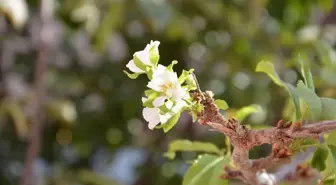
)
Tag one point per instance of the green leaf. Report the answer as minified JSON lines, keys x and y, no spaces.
{"x":154,"y":56}
{"x":186,"y":145}
{"x":326,"y":53}
{"x":131,"y":76}
{"x":268,"y":68}
{"x":331,"y":178}
{"x":151,"y":97}
{"x":18,"y":116}
{"x":320,"y":157}
{"x":328,"y":108}
{"x":184,"y":76}
{"x":171,"y":122}
{"x":333,"y":153}
{"x":295,"y":97}
{"x":139,"y":63}
{"x":312,"y":100}
{"x":170,"y":67}
{"x":149,"y":92}
{"x":206,"y":169}
{"x":221,"y":104}
{"x":242,"y":113}
{"x":307,"y":75}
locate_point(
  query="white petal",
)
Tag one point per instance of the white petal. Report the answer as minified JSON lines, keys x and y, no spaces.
{"x":143,"y":99}
{"x":151,"y":115}
{"x":159,"y":101}
{"x":179,"y":94}
{"x":159,"y":70}
{"x":143,"y":56}
{"x":132,"y":67}
{"x":164,"y":118}
{"x":179,"y":106}
{"x":151,"y":44}
{"x":169,"y":104}
{"x":155,"y":84}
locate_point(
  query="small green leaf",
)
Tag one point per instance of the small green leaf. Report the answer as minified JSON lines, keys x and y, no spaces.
{"x":206,"y":169}
{"x":150,"y":99}
{"x":333,"y":153}
{"x":268,"y":68}
{"x":312,"y":100}
{"x":131,"y":76}
{"x":221,"y":104}
{"x":295,"y":97}
{"x":170,"y":67}
{"x":171,"y":122}
{"x":18,"y":116}
{"x":319,"y":158}
{"x":307,"y":75}
{"x":139,"y":63}
{"x":154,"y":56}
{"x":328,"y":108}
{"x":186,"y":145}
{"x":326,"y":53}
{"x":332,"y":150}
{"x":149,"y":92}
{"x":184,"y":76}
{"x":242,"y":113}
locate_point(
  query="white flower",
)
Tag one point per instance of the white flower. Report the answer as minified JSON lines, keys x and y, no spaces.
{"x":153,"y":116}
{"x":144,"y":57}
{"x":151,"y":44}
{"x":132,"y":67}
{"x":166,"y":81}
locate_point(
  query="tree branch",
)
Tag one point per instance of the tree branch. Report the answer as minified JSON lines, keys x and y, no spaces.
{"x":244,"y":140}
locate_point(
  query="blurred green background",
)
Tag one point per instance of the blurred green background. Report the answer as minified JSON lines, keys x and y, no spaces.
{"x":93,"y":132}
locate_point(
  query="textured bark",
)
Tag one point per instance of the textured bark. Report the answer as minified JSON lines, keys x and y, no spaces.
{"x":244,"y":140}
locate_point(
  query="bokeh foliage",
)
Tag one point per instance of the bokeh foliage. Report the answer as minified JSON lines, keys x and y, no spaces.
{"x":94,"y":111}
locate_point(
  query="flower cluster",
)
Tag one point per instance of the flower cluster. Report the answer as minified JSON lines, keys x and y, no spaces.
{"x":168,"y":95}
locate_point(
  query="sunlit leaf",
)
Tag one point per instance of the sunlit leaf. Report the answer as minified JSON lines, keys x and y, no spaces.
{"x":320,"y":157}
{"x":328,"y":108}
{"x":131,"y":75}
{"x":183,"y":77}
{"x":268,"y":68}
{"x":186,"y":145}
{"x":242,"y":113}
{"x":170,"y":67}
{"x":206,"y":169}
{"x":19,"y":117}
{"x":221,"y":104}
{"x":333,"y":153}
{"x":312,"y":100}
{"x":326,"y":53}
{"x":307,"y":75}
{"x":171,"y":122}
{"x":63,"y":111}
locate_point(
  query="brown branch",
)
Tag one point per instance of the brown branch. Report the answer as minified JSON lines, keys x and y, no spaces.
{"x":244,"y":139}
{"x":39,"y":88}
